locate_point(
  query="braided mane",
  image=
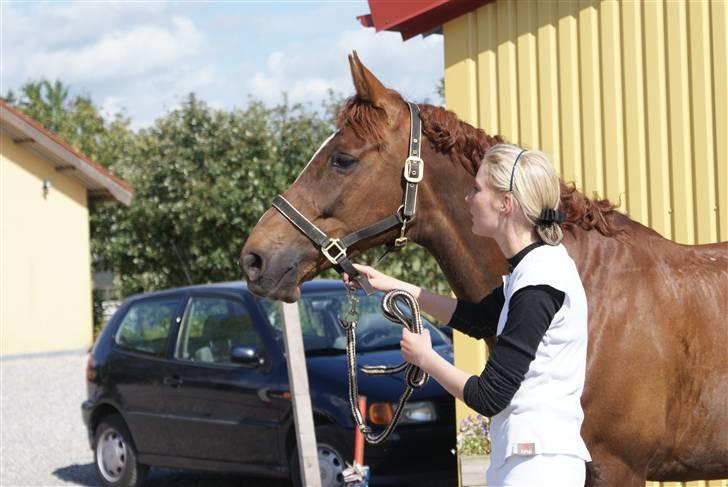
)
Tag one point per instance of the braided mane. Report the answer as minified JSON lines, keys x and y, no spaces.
{"x":466,"y":145}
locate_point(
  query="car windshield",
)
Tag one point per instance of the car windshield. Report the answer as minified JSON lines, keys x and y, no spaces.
{"x":322,"y":332}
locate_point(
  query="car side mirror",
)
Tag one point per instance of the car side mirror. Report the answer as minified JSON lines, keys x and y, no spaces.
{"x":244,"y":355}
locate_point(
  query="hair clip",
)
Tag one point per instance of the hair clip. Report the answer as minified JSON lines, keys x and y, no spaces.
{"x":550,"y":216}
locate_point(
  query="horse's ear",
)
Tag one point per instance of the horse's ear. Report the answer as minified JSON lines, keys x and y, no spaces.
{"x":368,"y":87}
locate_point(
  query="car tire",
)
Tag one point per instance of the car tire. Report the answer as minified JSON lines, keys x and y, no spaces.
{"x":115,"y":456}
{"x":333,"y":453}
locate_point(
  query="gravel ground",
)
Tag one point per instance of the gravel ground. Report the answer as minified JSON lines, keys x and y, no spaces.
{"x":43,"y":439}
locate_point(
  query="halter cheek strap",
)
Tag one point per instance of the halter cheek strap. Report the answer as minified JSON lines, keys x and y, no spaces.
{"x":335,"y":249}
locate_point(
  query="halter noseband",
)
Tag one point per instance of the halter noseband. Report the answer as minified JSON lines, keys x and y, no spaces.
{"x":335,"y":249}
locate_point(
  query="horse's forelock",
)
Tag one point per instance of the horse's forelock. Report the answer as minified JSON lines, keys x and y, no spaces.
{"x":366,"y":120}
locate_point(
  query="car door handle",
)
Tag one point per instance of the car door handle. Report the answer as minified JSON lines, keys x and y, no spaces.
{"x":175,"y":381}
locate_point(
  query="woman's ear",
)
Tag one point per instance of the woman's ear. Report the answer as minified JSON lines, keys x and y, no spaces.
{"x":507,"y":205}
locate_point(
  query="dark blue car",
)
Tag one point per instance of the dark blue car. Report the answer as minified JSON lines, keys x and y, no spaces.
{"x":196,"y":378}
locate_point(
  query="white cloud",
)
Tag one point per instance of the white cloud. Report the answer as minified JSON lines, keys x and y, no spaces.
{"x":140,"y":58}
{"x":73,"y":23}
{"x":119,"y":54}
{"x":145,"y":57}
{"x":413,"y":68}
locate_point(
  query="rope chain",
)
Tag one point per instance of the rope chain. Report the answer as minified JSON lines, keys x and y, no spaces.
{"x":415,"y":377}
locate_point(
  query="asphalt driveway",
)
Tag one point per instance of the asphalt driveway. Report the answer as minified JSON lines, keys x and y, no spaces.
{"x":43,"y":439}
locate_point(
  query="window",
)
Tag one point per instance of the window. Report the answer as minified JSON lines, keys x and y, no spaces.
{"x":320,"y":327}
{"x":318,"y":314}
{"x":212,"y":327}
{"x":146,"y":325}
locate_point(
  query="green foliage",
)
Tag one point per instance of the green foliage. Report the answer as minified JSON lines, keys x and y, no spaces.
{"x":441,"y":89}
{"x":75,"y":120}
{"x":202,"y":178}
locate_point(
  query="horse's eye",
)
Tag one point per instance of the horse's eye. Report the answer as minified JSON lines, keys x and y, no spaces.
{"x":342,"y":161}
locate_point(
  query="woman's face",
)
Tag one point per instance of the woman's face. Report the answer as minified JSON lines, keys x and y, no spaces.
{"x":485,"y":204}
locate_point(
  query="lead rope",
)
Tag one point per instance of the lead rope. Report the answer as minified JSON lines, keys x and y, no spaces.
{"x":415,"y":377}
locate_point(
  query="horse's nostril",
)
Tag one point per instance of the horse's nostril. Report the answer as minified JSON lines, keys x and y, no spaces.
{"x":252,"y":265}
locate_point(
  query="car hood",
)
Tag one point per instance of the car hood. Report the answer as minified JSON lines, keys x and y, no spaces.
{"x":330,"y":373}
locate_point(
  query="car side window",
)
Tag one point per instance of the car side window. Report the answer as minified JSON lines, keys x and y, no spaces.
{"x":146,"y":325}
{"x":212,"y":327}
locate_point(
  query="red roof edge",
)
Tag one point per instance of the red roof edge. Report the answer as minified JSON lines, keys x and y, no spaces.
{"x":413,"y":18}
{"x":38,"y":126}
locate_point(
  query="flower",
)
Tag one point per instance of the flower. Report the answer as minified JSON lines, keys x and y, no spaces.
{"x":474,"y":436}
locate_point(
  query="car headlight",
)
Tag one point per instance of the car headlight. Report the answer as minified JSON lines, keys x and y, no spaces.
{"x":418,"y":412}
{"x":381,"y":413}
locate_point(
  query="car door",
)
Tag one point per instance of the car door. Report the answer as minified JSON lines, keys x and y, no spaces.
{"x":138,"y":365}
{"x":221,"y":410}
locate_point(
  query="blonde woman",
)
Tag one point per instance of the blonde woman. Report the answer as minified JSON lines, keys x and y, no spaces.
{"x":532,"y":384}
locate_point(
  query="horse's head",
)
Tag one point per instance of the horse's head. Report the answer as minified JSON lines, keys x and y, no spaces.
{"x":353,"y":180}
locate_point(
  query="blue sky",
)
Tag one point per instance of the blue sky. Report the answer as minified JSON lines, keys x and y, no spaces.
{"x":142,"y":58}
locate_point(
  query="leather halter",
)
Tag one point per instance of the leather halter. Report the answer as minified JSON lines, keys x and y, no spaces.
{"x":335,"y":249}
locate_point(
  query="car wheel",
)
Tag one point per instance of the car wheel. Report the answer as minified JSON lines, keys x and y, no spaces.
{"x":332,"y":457}
{"x":115,"y":456}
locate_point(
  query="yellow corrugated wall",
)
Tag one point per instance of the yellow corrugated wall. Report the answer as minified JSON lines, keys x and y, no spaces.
{"x":629,"y":98}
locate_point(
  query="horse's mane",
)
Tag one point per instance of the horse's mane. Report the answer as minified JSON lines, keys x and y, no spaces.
{"x":586,"y":213}
{"x":466,"y":145}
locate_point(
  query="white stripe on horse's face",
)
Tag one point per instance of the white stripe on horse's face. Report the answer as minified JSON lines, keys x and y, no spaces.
{"x":316,"y":153}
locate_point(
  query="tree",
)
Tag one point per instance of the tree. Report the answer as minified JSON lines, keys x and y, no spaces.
{"x":202,"y":179}
{"x":75,"y":120}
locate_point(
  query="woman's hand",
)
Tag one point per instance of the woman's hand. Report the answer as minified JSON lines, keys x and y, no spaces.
{"x":416,"y":348}
{"x":379,"y":280}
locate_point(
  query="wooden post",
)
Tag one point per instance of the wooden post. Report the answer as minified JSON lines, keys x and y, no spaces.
{"x":302,"y":410}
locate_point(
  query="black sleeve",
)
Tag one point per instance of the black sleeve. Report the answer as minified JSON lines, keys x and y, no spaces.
{"x":530,"y":312}
{"x":479,"y":320}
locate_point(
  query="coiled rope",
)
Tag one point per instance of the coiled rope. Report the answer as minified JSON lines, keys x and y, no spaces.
{"x":415,"y":377}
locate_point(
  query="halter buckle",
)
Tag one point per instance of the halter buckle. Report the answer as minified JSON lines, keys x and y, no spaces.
{"x":413,"y":169}
{"x":340,"y":251}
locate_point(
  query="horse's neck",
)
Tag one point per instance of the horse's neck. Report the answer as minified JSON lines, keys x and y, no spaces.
{"x":472,"y":265}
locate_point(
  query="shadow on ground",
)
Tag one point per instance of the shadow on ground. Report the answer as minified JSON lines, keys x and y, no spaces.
{"x":162,"y":477}
{"x":78,"y":474}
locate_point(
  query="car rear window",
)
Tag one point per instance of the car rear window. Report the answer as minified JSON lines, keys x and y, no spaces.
{"x":146,"y":324}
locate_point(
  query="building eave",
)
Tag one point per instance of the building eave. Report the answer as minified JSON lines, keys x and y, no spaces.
{"x":414,"y":18}
{"x":100,"y":183}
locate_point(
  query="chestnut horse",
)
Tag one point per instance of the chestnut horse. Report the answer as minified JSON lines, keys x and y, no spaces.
{"x":656,"y":393}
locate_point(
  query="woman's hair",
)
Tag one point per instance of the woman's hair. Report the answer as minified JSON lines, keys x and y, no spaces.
{"x":535,"y":185}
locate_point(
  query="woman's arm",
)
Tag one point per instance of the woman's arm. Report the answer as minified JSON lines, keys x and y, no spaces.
{"x":447,"y":375}
{"x":531,"y":312}
{"x":417,"y":350}
{"x":439,"y":307}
